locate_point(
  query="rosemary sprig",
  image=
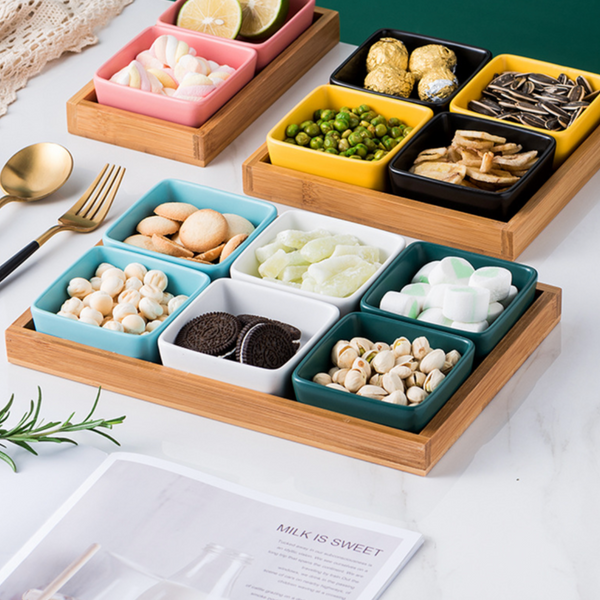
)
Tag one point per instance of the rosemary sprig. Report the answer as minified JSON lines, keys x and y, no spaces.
{"x":29,"y":430}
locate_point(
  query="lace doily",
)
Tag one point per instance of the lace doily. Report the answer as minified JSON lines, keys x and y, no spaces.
{"x":32,"y":32}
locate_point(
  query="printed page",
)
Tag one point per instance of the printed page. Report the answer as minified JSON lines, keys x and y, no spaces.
{"x":169,"y":532}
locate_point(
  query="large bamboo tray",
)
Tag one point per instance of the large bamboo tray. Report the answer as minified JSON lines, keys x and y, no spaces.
{"x":421,"y":220}
{"x":414,"y":453}
{"x":198,"y":146}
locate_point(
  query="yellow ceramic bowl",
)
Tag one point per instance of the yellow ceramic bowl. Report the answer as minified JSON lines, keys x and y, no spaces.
{"x":567,"y":140}
{"x":369,"y":174}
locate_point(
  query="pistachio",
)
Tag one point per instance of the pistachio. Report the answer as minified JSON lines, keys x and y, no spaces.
{"x":392,"y":383}
{"x":434,"y":360}
{"x":361,"y":344}
{"x":376,"y":379}
{"x":354,"y":380}
{"x":336,"y":349}
{"x":381,"y":346}
{"x":452,"y":358}
{"x":401,"y":346}
{"x":372,"y":391}
{"x":415,"y":394}
{"x":404,"y":359}
{"x":420,"y":347}
{"x":432,"y":380}
{"x":332,"y":371}
{"x":336,"y":386}
{"x":360,"y":364}
{"x":402,"y":371}
{"x":416,"y":379}
{"x":346,"y":357}
{"x":322,"y":378}
{"x":340,"y":376}
{"x":384,"y":361}
{"x":369,"y":355}
{"x":396,"y":397}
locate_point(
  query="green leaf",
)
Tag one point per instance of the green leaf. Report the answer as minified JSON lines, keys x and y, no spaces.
{"x":9,"y":460}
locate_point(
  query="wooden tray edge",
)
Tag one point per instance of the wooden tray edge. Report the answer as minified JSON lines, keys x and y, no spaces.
{"x":414,"y":453}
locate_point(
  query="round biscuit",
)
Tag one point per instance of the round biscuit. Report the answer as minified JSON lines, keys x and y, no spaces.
{"x":159,"y":225}
{"x":178,"y":211}
{"x":140,"y":241}
{"x":237,"y":224}
{"x":212,"y":254}
{"x":166,"y":246}
{"x":232,"y":244}
{"x":203,"y":230}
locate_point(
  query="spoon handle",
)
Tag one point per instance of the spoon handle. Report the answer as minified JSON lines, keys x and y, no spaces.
{"x":6,"y":199}
{"x":19,"y":258}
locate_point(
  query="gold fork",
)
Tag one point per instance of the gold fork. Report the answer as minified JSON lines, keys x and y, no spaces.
{"x":84,"y":216}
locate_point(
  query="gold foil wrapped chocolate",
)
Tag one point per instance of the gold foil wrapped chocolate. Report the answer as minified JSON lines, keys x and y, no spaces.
{"x":437,"y":84}
{"x":430,"y":57}
{"x":387,"y":51}
{"x":388,"y":79}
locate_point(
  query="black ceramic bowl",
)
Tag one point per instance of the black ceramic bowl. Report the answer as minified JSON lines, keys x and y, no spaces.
{"x":469,"y":60}
{"x":494,"y":205}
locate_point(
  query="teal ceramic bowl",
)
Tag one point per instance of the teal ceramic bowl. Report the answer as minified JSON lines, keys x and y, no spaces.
{"x":402,"y":269}
{"x":380,"y":329}
{"x":258,"y":212}
{"x":181,"y":281}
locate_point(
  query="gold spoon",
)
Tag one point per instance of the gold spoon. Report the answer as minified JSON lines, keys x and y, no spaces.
{"x":35,"y":172}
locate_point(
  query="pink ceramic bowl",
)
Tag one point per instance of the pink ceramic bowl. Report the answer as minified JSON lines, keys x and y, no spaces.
{"x":184,"y":112}
{"x":300,"y":17}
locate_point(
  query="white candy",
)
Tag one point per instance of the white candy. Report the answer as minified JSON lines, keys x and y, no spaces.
{"x":494,"y":311}
{"x":133,"y":283}
{"x":130,"y":296}
{"x":101,"y":301}
{"x":466,"y":304}
{"x":96,"y":282}
{"x":451,"y":269}
{"x":400,"y":304}
{"x":434,"y":315}
{"x":176,"y":303}
{"x":79,"y":287}
{"x":103,"y":267}
{"x":496,"y":279}
{"x":152,"y":325}
{"x":112,"y":285}
{"x":120,"y":311}
{"x":150,"y":291}
{"x":113,"y":272}
{"x":91,"y":316}
{"x":418,"y":291}
{"x":72,"y":305}
{"x":156,"y":279}
{"x":150,"y":309}
{"x":135,"y":270}
{"x":113,"y":325}
{"x":133,"y":324}
{"x":69,"y":315}
{"x":511,"y":296}
{"x":474,"y":327}
{"x":422,"y":275}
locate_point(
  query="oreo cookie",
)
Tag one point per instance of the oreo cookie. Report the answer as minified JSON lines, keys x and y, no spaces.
{"x":294,"y":332}
{"x":213,"y":333}
{"x":266,"y":344}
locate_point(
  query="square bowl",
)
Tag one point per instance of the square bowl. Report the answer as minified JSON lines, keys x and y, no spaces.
{"x":299,"y":18}
{"x":380,"y":329}
{"x":500,"y":205}
{"x":369,"y":174}
{"x":258,"y":212}
{"x":405,"y":266}
{"x":44,"y":309}
{"x":245,"y":267}
{"x":469,"y":60}
{"x":175,"y":110}
{"x":312,"y":317}
{"x":566,"y":141}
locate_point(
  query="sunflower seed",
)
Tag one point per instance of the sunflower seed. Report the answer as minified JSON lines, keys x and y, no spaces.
{"x":577,"y":93}
{"x":533,"y":120}
{"x":542,"y":79}
{"x":592,"y":96}
{"x":482,"y":108}
{"x":575,"y":105}
{"x":582,"y":81}
{"x":555,"y":110}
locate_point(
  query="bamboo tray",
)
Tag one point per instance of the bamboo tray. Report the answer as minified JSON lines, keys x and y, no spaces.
{"x":421,"y":220}
{"x":414,"y":453}
{"x":198,"y":146}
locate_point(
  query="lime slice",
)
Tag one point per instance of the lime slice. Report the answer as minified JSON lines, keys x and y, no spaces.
{"x":262,"y":18}
{"x":222,"y":18}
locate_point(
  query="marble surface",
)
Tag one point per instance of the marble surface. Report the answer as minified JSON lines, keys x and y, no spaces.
{"x":509,"y":512}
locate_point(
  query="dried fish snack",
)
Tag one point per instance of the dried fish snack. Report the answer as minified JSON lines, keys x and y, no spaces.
{"x":476,"y":159}
{"x":535,"y":99}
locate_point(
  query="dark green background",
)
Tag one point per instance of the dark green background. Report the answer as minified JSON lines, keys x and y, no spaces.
{"x":563,"y":32}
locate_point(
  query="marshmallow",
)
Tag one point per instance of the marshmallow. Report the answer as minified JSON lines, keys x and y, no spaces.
{"x":168,"y":49}
{"x":191,"y":64}
{"x":422,"y":275}
{"x":400,"y":304}
{"x":194,"y":87}
{"x":511,"y":296}
{"x":219,"y":75}
{"x":473,"y":327}
{"x":496,"y":279}
{"x":435,"y":316}
{"x":166,"y":77}
{"x":418,"y":291}
{"x":135,"y":75}
{"x":148,"y":60}
{"x":435,"y":297}
{"x":494,"y":311}
{"x":466,"y":304}
{"x":451,"y":269}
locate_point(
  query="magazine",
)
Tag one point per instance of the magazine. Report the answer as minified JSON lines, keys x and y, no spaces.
{"x":140,"y":528}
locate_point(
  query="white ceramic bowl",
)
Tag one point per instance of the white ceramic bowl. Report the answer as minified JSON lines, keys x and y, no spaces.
{"x":245,"y":267}
{"x":312,"y":317}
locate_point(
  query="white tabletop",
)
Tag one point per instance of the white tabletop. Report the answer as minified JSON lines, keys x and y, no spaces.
{"x":509,"y":512}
